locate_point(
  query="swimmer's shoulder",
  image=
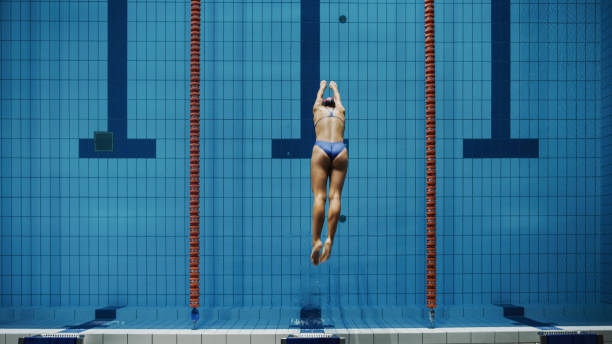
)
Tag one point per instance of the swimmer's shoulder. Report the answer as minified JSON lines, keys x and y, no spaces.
{"x":341,"y":110}
{"x":318,"y":108}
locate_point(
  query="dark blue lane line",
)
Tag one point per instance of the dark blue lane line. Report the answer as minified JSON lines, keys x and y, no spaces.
{"x":311,"y":321}
{"x":117,"y":94}
{"x":107,"y":313}
{"x":310,"y":70}
{"x":102,"y":319}
{"x":310,"y":54}
{"x":517,"y":313}
{"x":500,"y":145}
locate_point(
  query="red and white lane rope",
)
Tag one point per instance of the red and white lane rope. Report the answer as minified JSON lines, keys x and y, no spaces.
{"x":194,"y":158}
{"x":430,"y":152}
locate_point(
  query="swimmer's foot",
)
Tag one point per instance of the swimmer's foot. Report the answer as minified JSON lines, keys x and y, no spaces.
{"x":316,"y":250}
{"x":326,"y":250}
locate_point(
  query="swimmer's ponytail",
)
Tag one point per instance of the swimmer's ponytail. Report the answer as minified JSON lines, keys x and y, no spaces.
{"x":329,"y":102}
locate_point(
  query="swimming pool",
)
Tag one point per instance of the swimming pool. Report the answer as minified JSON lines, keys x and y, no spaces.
{"x":100,"y":238}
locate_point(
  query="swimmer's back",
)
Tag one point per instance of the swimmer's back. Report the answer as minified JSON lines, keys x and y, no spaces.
{"x":329,"y":123}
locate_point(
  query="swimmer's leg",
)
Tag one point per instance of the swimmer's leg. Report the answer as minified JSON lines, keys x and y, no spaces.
{"x":338,"y":173}
{"x":319,"y":167}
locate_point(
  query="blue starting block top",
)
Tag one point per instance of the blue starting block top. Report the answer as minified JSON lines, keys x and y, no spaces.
{"x":313,"y":338}
{"x":51,"y":339}
{"x":562,"y":337}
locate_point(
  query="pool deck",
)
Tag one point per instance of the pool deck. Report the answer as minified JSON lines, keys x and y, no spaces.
{"x":446,"y":335}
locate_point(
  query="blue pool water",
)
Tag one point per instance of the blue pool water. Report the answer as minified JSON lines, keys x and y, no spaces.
{"x":524,"y":104}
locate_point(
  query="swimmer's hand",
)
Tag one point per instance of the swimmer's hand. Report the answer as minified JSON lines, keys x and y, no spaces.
{"x":332,"y":85}
{"x":323,"y":84}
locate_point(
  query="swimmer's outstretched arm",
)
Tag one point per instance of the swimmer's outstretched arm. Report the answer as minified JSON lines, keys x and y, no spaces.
{"x":334,"y":87}
{"x":319,"y":99}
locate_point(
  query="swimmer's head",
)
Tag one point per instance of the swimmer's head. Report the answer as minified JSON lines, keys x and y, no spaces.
{"x":329,"y":101}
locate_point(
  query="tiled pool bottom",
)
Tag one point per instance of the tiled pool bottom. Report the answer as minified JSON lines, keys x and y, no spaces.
{"x":457,"y":324}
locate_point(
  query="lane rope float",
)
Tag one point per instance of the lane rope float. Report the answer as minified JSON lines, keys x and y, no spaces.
{"x":430,"y":156}
{"x":194,"y":164}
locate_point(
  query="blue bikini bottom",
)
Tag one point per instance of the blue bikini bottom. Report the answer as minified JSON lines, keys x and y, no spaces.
{"x":331,"y":148}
